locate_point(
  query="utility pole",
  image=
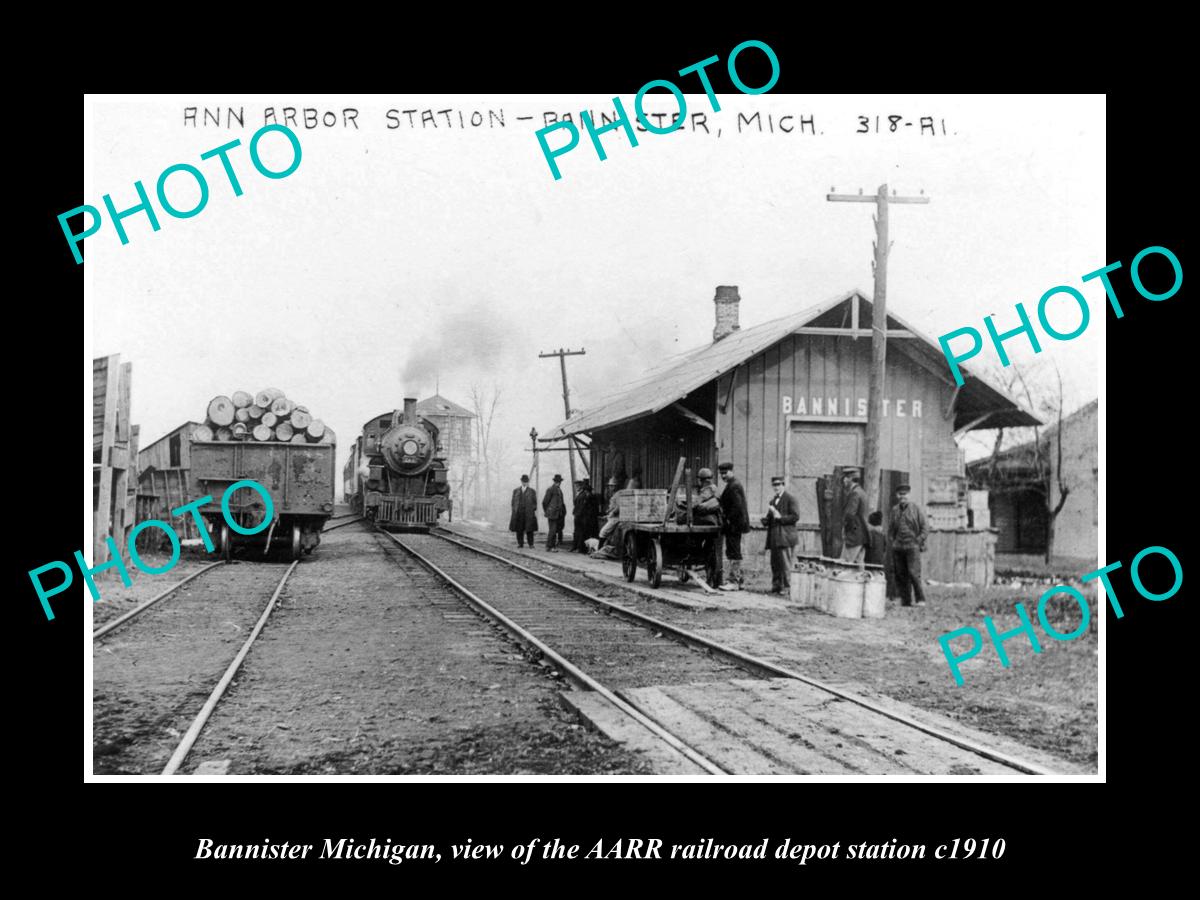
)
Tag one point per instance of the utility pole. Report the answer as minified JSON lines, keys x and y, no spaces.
{"x":573,"y":447}
{"x":878,"y":330}
{"x":534,"y":470}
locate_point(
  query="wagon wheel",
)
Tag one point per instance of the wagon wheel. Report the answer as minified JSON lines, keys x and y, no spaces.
{"x":296,"y":541}
{"x":629,"y":561}
{"x":654,"y":563}
{"x":226,"y":547}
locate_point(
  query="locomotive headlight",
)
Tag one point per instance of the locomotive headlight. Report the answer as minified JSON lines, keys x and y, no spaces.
{"x":409,"y":447}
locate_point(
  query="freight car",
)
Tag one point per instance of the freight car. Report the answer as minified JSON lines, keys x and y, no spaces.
{"x":396,"y":475}
{"x":300,"y":479}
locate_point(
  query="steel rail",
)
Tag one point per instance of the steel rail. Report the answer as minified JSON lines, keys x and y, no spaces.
{"x":577,"y":675}
{"x":105,"y":629}
{"x":747,"y":660}
{"x":342,"y":524}
{"x":218,"y":692}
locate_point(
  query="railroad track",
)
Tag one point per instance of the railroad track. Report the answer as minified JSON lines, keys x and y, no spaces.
{"x":613,"y":650}
{"x":158,"y":678}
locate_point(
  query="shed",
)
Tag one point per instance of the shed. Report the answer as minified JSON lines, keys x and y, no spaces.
{"x":1019,"y":479}
{"x":163,"y":468}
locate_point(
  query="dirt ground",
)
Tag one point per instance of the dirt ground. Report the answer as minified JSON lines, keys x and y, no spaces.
{"x":1046,"y":700}
{"x":116,"y":599}
{"x":371,"y":667}
{"x":152,"y":674}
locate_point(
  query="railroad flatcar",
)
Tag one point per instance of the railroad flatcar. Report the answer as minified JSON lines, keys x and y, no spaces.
{"x":396,"y":475}
{"x":299,"y":478}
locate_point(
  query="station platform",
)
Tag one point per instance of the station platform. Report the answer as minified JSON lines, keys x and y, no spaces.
{"x":608,"y":571}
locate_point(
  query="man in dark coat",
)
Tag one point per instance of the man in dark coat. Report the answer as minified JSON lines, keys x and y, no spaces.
{"x":556,"y":513}
{"x":736,"y":516}
{"x":586,"y":511}
{"x":907,"y":533}
{"x":876,"y":542}
{"x":854,"y":517}
{"x":524,"y":512}
{"x":781,"y":517}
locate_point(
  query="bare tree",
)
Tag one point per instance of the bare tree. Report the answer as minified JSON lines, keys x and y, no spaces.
{"x":484,"y":401}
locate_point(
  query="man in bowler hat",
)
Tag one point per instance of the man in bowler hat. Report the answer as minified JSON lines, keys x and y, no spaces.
{"x":556,"y":513}
{"x":907,"y":533}
{"x":524,"y":512}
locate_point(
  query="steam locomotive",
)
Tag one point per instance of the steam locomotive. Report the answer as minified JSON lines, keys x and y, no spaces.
{"x":396,"y":475}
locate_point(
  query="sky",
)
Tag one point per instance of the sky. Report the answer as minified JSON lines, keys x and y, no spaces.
{"x":396,"y":261}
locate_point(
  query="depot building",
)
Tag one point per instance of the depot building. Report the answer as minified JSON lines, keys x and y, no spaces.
{"x":790,"y":396}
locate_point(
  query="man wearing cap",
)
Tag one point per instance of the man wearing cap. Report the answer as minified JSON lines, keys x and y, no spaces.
{"x":854,"y":516}
{"x":706,"y":508}
{"x":906,"y":536}
{"x":524,"y":512}
{"x":556,"y":513}
{"x":737,"y":522}
{"x":781,"y":517}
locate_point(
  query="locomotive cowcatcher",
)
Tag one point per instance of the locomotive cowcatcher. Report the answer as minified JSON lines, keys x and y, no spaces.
{"x":396,"y":475}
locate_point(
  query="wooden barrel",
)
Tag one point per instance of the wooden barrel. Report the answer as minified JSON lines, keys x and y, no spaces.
{"x":241,"y":399}
{"x":220,"y":411}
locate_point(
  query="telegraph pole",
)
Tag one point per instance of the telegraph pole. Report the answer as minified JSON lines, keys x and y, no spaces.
{"x":878,"y":330}
{"x":562,"y":362}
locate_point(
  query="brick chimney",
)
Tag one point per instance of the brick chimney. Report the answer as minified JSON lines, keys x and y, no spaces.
{"x":726,"y":301}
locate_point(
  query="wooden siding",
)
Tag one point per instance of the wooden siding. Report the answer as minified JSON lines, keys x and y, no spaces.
{"x":158,"y":454}
{"x":753,"y":430}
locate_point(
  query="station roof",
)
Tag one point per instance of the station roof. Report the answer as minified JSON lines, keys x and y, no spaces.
{"x":666,"y":384}
{"x":1019,"y":455}
{"x":185,"y":428}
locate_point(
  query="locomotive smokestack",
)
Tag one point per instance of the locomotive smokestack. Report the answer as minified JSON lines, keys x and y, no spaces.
{"x":410,"y":410}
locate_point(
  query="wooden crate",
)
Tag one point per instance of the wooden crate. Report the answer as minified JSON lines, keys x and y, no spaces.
{"x":642,"y":505}
{"x":946,"y":489}
{"x":945,"y":516}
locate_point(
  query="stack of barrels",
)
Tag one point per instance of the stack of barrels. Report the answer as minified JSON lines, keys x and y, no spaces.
{"x":265,"y":416}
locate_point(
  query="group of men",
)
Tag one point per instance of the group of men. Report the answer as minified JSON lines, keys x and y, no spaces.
{"x":524,"y":514}
{"x":863,"y":539}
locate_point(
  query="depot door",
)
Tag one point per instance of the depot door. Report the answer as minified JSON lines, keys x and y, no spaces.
{"x":813,"y":451}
